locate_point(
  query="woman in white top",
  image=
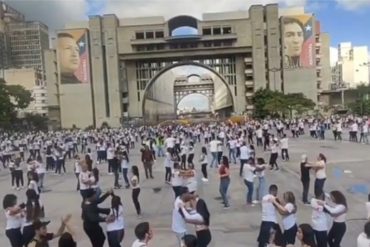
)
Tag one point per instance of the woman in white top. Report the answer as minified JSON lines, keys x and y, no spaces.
{"x":176,"y":180}
{"x":77,"y":170}
{"x":190,"y":176}
{"x":320,"y":173}
{"x":135,"y":185}
{"x":14,"y":218}
{"x":319,"y":221}
{"x":168,"y":165}
{"x":125,"y":163}
{"x":260,"y":172}
{"x":40,"y":170}
{"x":33,"y":184}
{"x":34,"y":211}
{"x":339,"y":212}
{"x":204,"y":163}
{"x":288,"y":210}
{"x":116,"y":223}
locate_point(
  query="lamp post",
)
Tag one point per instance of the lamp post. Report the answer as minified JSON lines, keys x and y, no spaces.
{"x":274,"y":70}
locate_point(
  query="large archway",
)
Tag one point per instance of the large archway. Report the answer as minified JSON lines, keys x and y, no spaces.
{"x":169,"y":86}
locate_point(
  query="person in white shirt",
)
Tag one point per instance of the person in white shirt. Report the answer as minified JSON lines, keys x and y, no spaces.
{"x":40,"y":170}
{"x":338,"y":211}
{"x":269,"y":219}
{"x":320,"y":173}
{"x":86,"y":179}
{"x":144,"y":234}
{"x":178,"y":222}
{"x":259,"y":136}
{"x":288,"y":210}
{"x":14,"y":217}
{"x":176,"y":180}
{"x":363,"y":239}
{"x":364,"y":133}
{"x":232,"y":149}
{"x":319,"y":221}
{"x":213,"y":148}
{"x":77,"y":170}
{"x":260,"y":172}
{"x":274,"y":155}
{"x":116,"y":223}
{"x":368,"y":207}
{"x":284,"y":148}
{"x":110,"y":158}
{"x":244,"y":156}
{"x":248,"y":176}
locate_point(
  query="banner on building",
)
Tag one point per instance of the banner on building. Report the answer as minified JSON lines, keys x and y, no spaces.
{"x":73,"y":56}
{"x":299,"y":41}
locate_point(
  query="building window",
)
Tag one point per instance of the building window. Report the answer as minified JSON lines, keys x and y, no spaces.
{"x":216,"y":31}
{"x":207,"y":44}
{"x":207,"y":31}
{"x":159,"y":34}
{"x":139,"y":35}
{"x":149,"y":35}
{"x":226,"y":30}
{"x":42,"y":95}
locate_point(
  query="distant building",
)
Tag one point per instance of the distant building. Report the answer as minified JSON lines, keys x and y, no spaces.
{"x":32,"y":80}
{"x":352,"y":67}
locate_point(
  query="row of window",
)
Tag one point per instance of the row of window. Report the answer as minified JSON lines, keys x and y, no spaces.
{"x":157,"y":34}
{"x":217,"y":30}
{"x":158,"y":47}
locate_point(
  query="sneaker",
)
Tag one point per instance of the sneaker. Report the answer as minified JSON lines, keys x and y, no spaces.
{"x":256,"y":202}
{"x":226,"y":206}
{"x":18,"y":189}
{"x":205,"y":180}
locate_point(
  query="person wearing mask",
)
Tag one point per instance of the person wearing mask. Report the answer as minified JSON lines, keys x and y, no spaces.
{"x":34,"y":211}
{"x":269,"y":218}
{"x":91,"y":217}
{"x":363,"y":240}
{"x":14,"y":218}
{"x":244,"y":157}
{"x":199,"y":216}
{"x":339,"y":212}
{"x":143,"y":233}
{"x":224,"y":174}
{"x":320,"y":173}
{"x":305,"y":178}
{"x":306,"y":235}
{"x":204,"y":163}
{"x":288,"y":210}
{"x":116,"y":223}
{"x":135,"y":185}
{"x":319,"y":221}
{"x":42,"y":237}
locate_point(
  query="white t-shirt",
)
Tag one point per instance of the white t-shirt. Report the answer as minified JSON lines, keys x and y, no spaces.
{"x":338,"y":209}
{"x":118,"y":223}
{"x":176,"y":180}
{"x":110,"y":153}
{"x":363,"y":240}
{"x":40,"y":168}
{"x":284,"y":143}
{"x":170,"y":142}
{"x":289,"y":220}
{"x":321,"y":172}
{"x":213,"y":146}
{"x":268,"y":209}
{"x":138,"y":243}
{"x":136,"y":180}
{"x":13,"y":221}
{"x":319,"y":219}
{"x":178,"y":222}
{"x":33,"y":186}
{"x":248,"y":172}
{"x":86,"y":176}
{"x":244,"y":152}
{"x":191,"y":182}
{"x":232,"y":143}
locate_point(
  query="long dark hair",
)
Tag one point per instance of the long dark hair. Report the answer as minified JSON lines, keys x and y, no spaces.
{"x":225,"y":161}
{"x":116,"y":202}
{"x":135,"y":171}
{"x":308,"y":235}
{"x":33,"y":208}
{"x":204,"y":150}
{"x":322,"y":157}
{"x":339,"y":198}
{"x":125,"y":156}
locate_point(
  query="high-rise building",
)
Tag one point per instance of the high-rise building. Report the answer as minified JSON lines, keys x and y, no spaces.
{"x":28,"y":40}
{"x":352,"y":67}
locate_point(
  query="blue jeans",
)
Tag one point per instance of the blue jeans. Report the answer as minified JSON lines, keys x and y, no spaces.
{"x":160,"y":152}
{"x":224,"y":185}
{"x":232,"y":154}
{"x":214,"y":159}
{"x":250,"y":190}
{"x":261,"y":188}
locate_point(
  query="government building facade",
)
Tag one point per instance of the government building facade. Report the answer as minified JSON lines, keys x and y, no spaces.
{"x":123,"y":69}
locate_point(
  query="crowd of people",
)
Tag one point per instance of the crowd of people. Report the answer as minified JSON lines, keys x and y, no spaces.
{"x":221,"y":146}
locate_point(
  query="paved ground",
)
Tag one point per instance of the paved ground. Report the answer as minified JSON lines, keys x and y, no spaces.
{"x":238,"y":226}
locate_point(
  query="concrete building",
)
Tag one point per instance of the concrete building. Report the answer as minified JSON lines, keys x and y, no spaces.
{"x":32,"y":80}
{"x":352,"y":66}
{"x":134,"y":62}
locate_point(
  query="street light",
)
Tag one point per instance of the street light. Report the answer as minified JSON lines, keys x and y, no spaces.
{"x":274,"y":70}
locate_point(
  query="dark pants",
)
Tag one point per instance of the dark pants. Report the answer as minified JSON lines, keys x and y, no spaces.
{"x":204,"y":170}
{"x":284,"y":154}
{"x":249,"y":193}
{"x":224,"y":185}
{"x":203,"y":238}
{"x":176,"y":190}
{"x":115,"y":238}
{"x":135,"y":199}
{"x":148,"y":169}
{"x":28,"y":234}
{"x":15,"y":237}
{"x":290,"y":235}
{"x":219,"y":156}
{"x":124,"y":172}
{"x":306,"y":187}
{"x":264,"y":234}
{"x":110,"y":165}
{"x":12,"y":174}
{"x":167,"y":177}
{"x":336,"y":234}
{"x":242,"y":162}
{"x":19,"y":178}
{"x":58,"y":168}
{"x":95,"y":234}
{"x":321,"y":238}
{"x":115,"y":168}
{"x":273,"y":158}
{"x":319,"y":186}
{"x":78,"y":181}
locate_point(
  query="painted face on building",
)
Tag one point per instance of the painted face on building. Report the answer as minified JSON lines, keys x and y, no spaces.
{"x":293,"y":39}
{"x":69,"y":55}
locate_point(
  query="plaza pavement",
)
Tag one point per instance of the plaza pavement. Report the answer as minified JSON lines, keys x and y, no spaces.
{"x":237,"y":226}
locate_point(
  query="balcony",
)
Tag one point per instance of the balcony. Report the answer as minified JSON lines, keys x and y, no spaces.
{"x":125,"y":100}
{"x":250,"y":107}
{"x":248,"y":60}
{"x":249,"y":94}
{"x":249,"y":83}
{"x":318,"y":43}
{"x":248,"y":71}
{"x":318,"y":56}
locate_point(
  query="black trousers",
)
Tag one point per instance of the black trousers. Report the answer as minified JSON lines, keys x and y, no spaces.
{"x":15,"y":237}
{"x":336,"y":234}
{"x":124,"y":172}
{"x":19,"y":178}
{"x":242,"y":162}
{"x":148,"y":167}
{"x":135,"y":199}
{"x":284,"y":154}
{"x":12,"y":174}
{"x":204,"y":170}
{"x":115,"y":238}
{"x":110,"y":165}
{"x":176,"y":190}
{"x":28,"y":234}
{"x":167,"y":177}
{"x":95,"y":234}
{"x":321,"y":238}
{"x":306,"y":187}
{"x":265,"y":231}
{"x":273,"y":158}
{"x":204,"y":237}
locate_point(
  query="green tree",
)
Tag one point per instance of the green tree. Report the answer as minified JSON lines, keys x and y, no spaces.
{"x":36,"y":121}
{"x":297,"y":102}
{"x":261,"y":98}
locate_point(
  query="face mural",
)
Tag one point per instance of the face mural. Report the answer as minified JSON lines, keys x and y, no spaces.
{"x":73,"y":56}
{"x":299,"y":41}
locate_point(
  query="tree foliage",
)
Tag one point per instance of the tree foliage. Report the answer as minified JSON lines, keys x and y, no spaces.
{"x":273,"y":103}
{"x":362,"y":105}
{"x":36,"y":122}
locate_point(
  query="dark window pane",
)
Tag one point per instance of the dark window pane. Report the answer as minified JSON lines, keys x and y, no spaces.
{"x":159,"y":34}
{"x":139,"y":35}
{"x":149,"y":35}
{"x":216,"y":31}
{"x":207,"y":31}
{"x":226,"y":30}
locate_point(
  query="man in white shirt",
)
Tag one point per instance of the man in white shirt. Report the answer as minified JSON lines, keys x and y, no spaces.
{"x":244,"y":156}
{"x":213,"y":148}
{"x":110,"y":158}
{"x":364,"y":133}
{"x":232,"y":149}
{"x":363,"y":239}
{"x":178,"y":222}
{"x":284,"y":148}
{"x":269,"y":219}
{"x":144,"y":234}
